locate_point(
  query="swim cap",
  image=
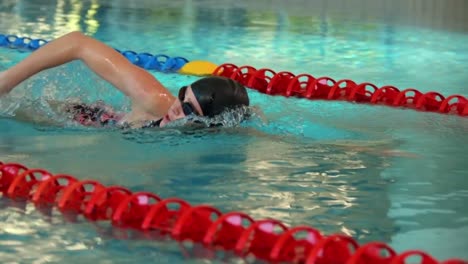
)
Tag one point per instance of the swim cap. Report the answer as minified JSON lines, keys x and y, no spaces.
{"x":216,"y":94}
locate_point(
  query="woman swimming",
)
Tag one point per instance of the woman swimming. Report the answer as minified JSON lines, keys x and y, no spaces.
{"x":151,"y":103}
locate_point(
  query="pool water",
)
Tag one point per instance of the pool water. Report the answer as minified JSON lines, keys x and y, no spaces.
{"x":372,"y":172}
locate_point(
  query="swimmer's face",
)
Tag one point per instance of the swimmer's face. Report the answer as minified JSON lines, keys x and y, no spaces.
{"x":185,"y":105}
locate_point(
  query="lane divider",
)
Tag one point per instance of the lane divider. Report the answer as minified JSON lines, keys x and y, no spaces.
{"x":306,"y":86}
{"x":267,"y":239}
{"x":158,"y":62}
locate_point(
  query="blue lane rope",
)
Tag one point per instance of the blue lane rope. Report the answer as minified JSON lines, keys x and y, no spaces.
{"x":158,"y":62}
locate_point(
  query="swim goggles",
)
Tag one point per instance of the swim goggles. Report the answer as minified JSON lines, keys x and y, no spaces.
{"x":187,"y":107}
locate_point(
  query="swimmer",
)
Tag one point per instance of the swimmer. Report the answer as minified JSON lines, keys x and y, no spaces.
{"x":152,"y":105}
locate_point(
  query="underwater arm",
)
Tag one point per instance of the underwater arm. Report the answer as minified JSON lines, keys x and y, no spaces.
{"x":133,"y":81}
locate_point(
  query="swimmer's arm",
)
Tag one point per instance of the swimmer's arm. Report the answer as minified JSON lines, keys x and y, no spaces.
{"x":145,"y":91}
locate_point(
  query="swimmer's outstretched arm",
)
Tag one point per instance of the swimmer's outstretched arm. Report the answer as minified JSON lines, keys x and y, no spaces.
{"x":146,"y":93}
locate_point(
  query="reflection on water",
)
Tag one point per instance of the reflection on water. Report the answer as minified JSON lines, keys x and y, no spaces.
{"x":93,"y":15}
{"x":66,"y":16}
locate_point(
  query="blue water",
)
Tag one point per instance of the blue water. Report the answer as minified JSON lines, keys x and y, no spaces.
{"x":373,"y":172}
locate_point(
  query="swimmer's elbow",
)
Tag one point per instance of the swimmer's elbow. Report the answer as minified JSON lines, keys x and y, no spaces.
{"x":76,"y":35}
{"x":78,"y":41}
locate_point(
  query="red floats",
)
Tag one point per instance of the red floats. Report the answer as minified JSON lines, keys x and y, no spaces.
{"x":430,"y":101}
{"x":293,"y":247}
{"x":76,"y":195}
{"x":325,"y":88}
{"x":456,"y":104}
{"x":194,"y":222}
{"x":259,"y":238}
{"x":226,"y":230}
{"x":374,"y":252}
{"x":23,"y":184}
{"x":424,"y":258}
{"x":132,"y":209}
{"x":362,"y":93}
{"x":163,"y":215}
{"x":48,"y":190}
{"x":333,"y":249}
{"x":386,"y":95}
{"x":8,"y":173}
{"x":236,"y":232}
{"x":103,"y":203}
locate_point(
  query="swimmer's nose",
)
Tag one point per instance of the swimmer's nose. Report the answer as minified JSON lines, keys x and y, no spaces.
{"x":177,"y":111}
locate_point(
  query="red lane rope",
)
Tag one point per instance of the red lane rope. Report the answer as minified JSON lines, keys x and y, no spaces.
{"x":306,"y":86}
{"x":267,"y":239}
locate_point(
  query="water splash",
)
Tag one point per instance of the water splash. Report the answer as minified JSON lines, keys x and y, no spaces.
{"x":229,"y":118}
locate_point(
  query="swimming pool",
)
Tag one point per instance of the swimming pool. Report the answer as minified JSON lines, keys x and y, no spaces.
{"x":373,"y":172}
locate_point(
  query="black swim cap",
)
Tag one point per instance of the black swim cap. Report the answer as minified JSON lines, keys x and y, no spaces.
{"x":216,"y":94}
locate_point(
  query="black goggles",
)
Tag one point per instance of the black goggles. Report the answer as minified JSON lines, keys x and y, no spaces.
{"x":187,"y":107}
